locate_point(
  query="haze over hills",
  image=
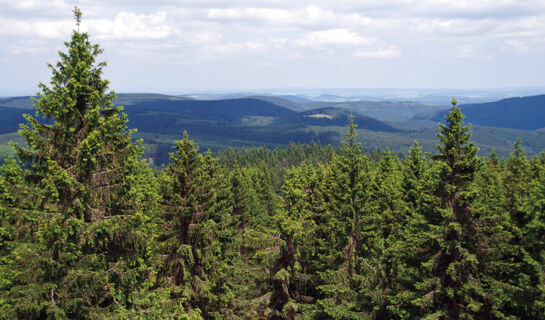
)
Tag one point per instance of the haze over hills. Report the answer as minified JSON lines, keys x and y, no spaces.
{"x":278,"y":120}
{"x":422,"y":95}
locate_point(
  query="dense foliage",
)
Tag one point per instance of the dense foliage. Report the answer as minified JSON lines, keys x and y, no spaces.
{"x":88,"y":231}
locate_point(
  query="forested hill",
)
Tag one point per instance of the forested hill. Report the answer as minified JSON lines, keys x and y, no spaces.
{"x":215,"y":124}
{"x":228,"y":110}
{"x":10,"y":119}
{"x":333,"y":117}
{"x":525,"y":113}
{"x":272,"y":122}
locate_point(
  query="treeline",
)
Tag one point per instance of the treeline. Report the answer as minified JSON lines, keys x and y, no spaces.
{"x":89,"y":231}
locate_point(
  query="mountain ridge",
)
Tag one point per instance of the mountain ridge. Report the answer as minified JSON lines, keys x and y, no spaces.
{"x":525,"y":113}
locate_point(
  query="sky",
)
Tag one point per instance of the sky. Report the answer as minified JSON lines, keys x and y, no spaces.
{"x":171,"y":46}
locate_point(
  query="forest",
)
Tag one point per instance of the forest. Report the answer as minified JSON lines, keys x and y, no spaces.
{"x":89,"y":230}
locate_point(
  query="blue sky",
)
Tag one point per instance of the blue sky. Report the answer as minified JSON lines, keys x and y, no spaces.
{"x":205,"y":45}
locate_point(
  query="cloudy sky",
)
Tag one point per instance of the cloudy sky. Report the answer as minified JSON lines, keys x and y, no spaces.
{"x":205,"y":45}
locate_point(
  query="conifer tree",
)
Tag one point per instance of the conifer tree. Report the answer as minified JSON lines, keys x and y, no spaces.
{"x":386,"y":198}
{"x":349,"y":243}
{"x":526,"y":291}
{"x":192,"y":213}
{"x":392,"y":216}
{"x":453,"y":289}
{"x":516,"y":183}
{"x":265,"y":192}
{"x":17,"y":226}
{"x":536,"y":207}
{"x":413,"y":244}
{"x":249,"y":244}
{"x":295,"y":270}
{"x":414,"y":178}
{"x":86,"y":184}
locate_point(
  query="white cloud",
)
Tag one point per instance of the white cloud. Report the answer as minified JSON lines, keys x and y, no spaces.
{"x":208,"y":37}
{"x":445,"y":9}
{"x":335,"y":37}
{"x":466,"y":51}
{"x":36,"y":5}
{"x":28,"y":46}
{"x":389,"y":52}
{"x":230,"y":50}
{"x":34,"y":29}
{"x":251,"y":14}
{"x":517,"y":44}
{"x":225,"y":13}
{"x":128,"y":25}
{"x":280,"y":32}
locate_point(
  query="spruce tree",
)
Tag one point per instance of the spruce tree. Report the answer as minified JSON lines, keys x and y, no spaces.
{"x":17,"y":226}
{"x":516,"y":184}
{"x":349,"y":244}
{"x":414,"y":245}
{"x":87,"y":187}
{"x":392,"y":217}
{"x":414,"y":178}
{"x":188,"y":228}
{"x":526,"y":291}
{"x":294,"y":273}
{"x":453,"y":289}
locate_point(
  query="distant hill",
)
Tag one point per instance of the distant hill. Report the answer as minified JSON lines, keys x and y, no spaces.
{"x":383,"y":110}
{"x":296,"y":99}
{"x":332,"y":117}
{"x":229,"y":111}
{"x":288,"y":103}
{"x":525,"y":113}
{"x":131,"y":98}
{"x":23,"y":102}
{"x":10,"y":119}
{"x":218,"y":124}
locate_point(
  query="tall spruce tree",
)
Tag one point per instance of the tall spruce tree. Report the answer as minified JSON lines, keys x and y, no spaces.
{"x":349,"y":245}
{"x":453,"y":290}
{"x":188,"y":231}
{"x":88,"y":189}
